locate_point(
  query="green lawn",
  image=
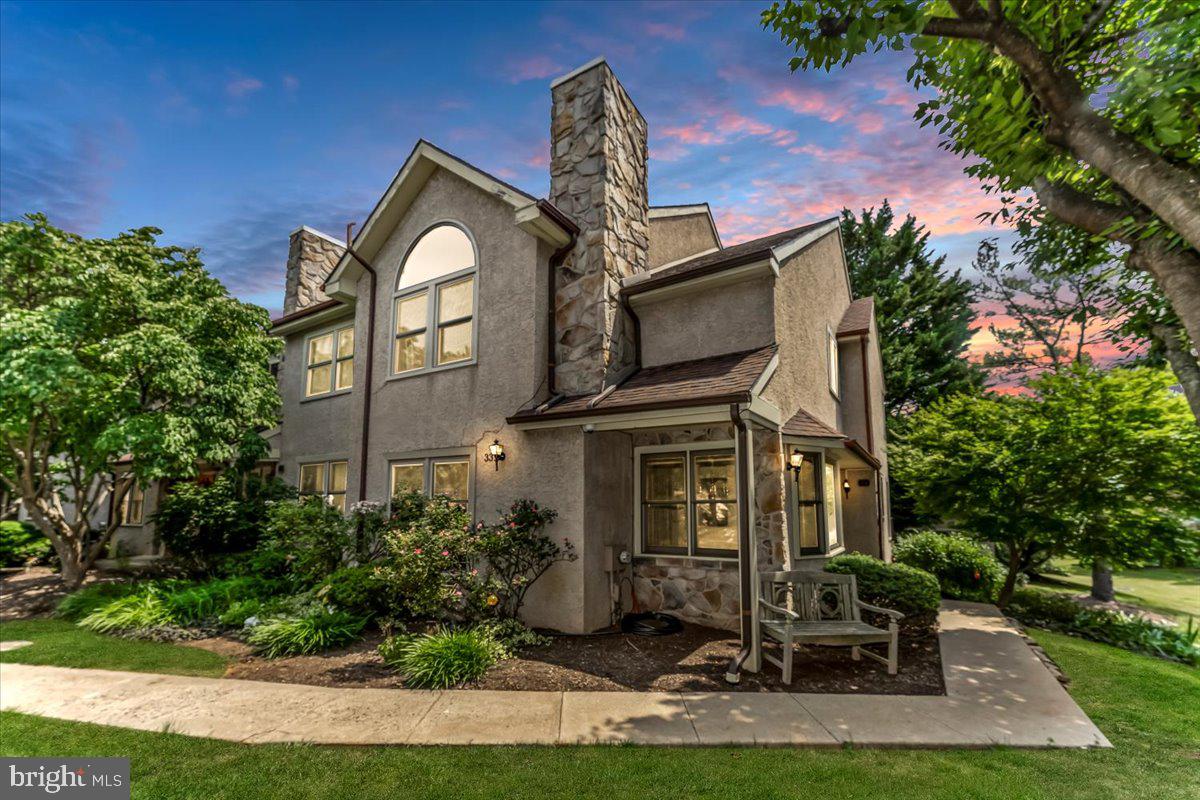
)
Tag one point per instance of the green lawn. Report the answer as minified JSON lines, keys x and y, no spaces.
{"x":1146,"y":706}
{"x":1173,"y":592}
{"x":64,"y":644}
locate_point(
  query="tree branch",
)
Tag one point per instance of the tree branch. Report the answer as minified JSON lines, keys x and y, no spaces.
{"x":1076,"y":208}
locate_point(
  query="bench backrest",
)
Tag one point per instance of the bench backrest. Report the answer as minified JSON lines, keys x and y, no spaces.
{"x":814,"y":596}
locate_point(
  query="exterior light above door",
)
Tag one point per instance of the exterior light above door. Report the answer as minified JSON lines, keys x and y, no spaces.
{"x":846,"y":487}
{"x":495,"y":453}
{"x":795,"y":461}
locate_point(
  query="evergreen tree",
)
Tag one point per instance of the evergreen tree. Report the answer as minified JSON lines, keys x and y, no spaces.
{"x":922,"y":309}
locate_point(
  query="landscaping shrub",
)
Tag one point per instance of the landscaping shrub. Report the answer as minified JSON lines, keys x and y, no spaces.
{"x":21,"y":544}
{"x":965,"y":569}
{"x":146,"y":609}
{"x":201,"y":522}
{"x":911,"y":591}
{"x":358,"y":590}
{"x":444,"y":658}
{"x":514,"y":636}
{"x":432,"y":566}
{"x":189,"y":603}
{"x":313,"y":537}
{"x":518,"y":552}
{"x":1130,"y":632}
{"x":79,"y":604}
{"x":315,"y":631}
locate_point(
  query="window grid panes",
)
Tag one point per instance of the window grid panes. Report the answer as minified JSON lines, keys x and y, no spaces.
{"x":329,"y":362}
{"x":689,"y":503}
{"x":132,"y":505}
{"x":815,"y":505}
{"x":449,"y":476}
{"x":326,"y":480}
{"x":434,"y":310}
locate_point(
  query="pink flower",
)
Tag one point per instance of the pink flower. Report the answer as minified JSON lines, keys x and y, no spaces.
{"x":417,"y":551}
{"x":445,"y":552}
{"x":474,"y":572}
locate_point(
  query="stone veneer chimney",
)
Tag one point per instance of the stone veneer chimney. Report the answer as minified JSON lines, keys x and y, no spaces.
{"x":312,"y":255}
{"x":598,"y":178}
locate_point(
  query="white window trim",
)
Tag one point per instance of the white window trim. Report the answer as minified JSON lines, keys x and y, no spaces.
{"x":334,"y":329}
{"x":686,"y":448}
{"x":432,"y":323}
{"x":834,"y":367}
{"x":428,"y":462}
{"x":125,"y":504}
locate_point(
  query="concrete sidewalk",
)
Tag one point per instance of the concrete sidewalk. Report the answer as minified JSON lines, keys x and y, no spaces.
{"x":998,"y":692}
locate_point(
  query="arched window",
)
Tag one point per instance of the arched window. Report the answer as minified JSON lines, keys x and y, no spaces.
{"x":434,"y":308}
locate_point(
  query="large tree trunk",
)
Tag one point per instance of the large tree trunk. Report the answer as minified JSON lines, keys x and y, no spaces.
{"x":1102,"y":581}
{"x":1182,"y":360}
{"x":1010,"y":580}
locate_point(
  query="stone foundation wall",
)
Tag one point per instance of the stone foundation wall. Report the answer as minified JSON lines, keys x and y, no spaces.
{"x":695,"y":590}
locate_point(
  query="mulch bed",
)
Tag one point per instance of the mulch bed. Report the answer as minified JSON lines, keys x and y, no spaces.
{"x":33,"y":593}
{"x":693,"y":660}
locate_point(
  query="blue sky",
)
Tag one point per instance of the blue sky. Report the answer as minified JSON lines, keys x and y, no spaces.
{"x":227,"y":125}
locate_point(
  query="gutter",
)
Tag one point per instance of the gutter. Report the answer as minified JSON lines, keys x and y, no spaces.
{"x":368,"y":377}
{"x":733,"y":674}
{"x":556,"y":260}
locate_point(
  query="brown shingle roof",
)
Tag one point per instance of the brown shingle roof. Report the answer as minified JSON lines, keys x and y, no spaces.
{"x":727,"y":258}
{"x":720,"y":379}
{"x":858,"y":317}
{"x":805,"y":424}
{"x":304,"y":312}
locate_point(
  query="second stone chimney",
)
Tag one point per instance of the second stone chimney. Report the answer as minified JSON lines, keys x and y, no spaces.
{"x":598,"y":157}
{"x":312,"y":255}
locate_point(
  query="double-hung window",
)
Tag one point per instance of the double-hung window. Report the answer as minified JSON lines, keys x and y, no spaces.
{"x":326,"y":480}
{"x":449,"y":476}
{"x":329,"y":362}
{"x":434,"y":308}
{"x":689,"y":503}
{"x":815,"y":529}
{"x":132,"y":505}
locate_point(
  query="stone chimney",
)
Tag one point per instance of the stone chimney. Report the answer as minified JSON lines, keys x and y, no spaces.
{"x":598,"y":178}
{"x":312,"y":255}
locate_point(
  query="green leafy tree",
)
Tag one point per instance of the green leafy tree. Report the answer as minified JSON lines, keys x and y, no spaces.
{"x":1090,"y":103}
{"x":1126,"y":457}
{"x":923,"y":310}
{"x":112,"y":348}
{"x":981,"y":463}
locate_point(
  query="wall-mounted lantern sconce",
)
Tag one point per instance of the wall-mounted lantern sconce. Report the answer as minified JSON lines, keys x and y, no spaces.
{"x":795,"y":461}
{"x":846,"y":487}
{"x":495,"y":453}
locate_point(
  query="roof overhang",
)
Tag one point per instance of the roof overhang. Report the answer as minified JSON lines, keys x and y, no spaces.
{"x":530,"y":214}
{"x":314,"y":320}
{"x":702,"y":282}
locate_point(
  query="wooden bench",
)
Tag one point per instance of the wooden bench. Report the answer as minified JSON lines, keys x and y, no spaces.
{"x":808,"y":607}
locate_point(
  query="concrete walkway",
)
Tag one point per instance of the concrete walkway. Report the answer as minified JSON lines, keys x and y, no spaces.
{"x":998,"y":692}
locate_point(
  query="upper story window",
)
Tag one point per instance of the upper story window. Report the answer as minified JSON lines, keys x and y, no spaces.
{"x":834,"y":367}
{"x":434,"y":308}
{"x":329,"y":362}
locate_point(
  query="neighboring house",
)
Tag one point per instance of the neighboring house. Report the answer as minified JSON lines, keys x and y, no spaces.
{"x":647,"y":382}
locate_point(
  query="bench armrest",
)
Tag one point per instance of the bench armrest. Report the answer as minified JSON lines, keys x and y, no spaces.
{"x":896,"y":615}
{"x":778,"y":609}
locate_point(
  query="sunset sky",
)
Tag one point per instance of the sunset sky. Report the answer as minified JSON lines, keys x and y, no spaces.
{"x":228,"y":125}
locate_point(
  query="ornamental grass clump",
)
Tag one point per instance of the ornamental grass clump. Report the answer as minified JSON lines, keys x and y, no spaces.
{"x":444,"y":658}
{"x":78,"y":605}
{"x":135,"y":612}
{"x":311,"y":633}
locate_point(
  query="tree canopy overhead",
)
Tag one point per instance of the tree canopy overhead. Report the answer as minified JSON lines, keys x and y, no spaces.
{"x":1089,"y":103}
{"x":923,"y":309}
{"x":117,"y":350}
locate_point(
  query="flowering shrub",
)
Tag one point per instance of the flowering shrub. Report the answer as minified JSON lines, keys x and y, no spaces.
{"x":965,"y":569}
{"x":518,"y":552}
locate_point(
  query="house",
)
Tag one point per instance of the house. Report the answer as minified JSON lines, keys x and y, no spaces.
{"x":695,"y":412}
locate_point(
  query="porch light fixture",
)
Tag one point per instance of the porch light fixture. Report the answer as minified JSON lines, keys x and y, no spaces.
{"x":495,"y":453}
{"x":846,"y":486}
{"x":795,"y":461}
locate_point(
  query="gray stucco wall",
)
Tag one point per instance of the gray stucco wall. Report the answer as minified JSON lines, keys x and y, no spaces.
{"x":725,"y":319}
{"x":673,"y":238}
{"x":812,"y":292}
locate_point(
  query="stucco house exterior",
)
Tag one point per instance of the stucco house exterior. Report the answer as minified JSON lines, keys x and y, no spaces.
{"x":649,"y":383}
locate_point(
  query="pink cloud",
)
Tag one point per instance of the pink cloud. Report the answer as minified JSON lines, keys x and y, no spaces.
{"x":664,"y":30}
{"x":532,"y":68}
{"x":695,"y":133}
{"x":809,"y":102}
{"x":242,"y":86}
{"x":868,"y":122}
